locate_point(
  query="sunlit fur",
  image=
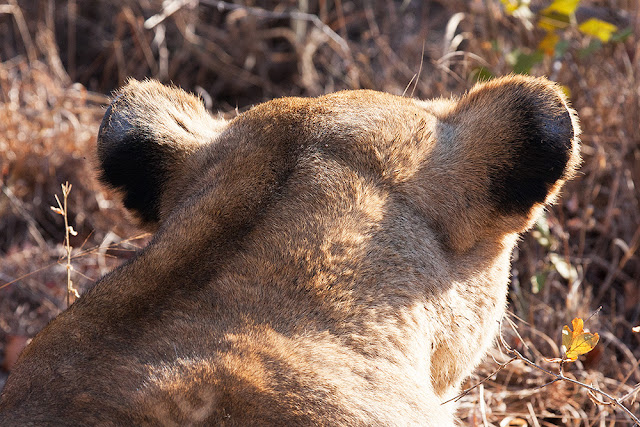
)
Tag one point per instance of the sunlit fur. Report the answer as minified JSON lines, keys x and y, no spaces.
{"x":341,"y":260}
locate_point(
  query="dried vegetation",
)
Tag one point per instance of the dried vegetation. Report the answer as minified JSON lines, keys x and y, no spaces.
{"x":57,"y":59}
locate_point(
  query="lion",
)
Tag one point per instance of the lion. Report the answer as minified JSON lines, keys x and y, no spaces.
{"x":339,"y":260}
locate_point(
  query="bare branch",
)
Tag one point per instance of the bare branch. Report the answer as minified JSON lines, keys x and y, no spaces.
{"x":262,"y":13}
{"x":612,"y":400}
{"x":465,"y":392}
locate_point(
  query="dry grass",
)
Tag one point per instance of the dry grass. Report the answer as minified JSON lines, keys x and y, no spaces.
{"x":237,"y":57}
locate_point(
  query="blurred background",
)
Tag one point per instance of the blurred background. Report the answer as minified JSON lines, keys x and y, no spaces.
{"x":61,"y":59}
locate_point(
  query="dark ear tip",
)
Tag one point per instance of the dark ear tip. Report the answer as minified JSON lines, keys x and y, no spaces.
{"x":145,"y":131}
{"x":113,"y":124}
{"x":545,"y":142}
{"x":104,"y":135}
{"x":130,"y":161}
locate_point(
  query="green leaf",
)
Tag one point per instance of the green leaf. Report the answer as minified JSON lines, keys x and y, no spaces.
{"x":538,"y":281}
{"x":598,"y":28}
{"x":621,"y":35}
{"x":523,"y":62}
{"x":542,"y":225}
{"x":594,"y":45}
{"x":481,"y":74}
{"x":566,"y":270}
{"x":541,"y":232}
{"x":561,"y":48}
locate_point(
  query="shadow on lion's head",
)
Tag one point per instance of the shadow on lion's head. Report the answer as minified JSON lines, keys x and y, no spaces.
{"x":315,"y":259}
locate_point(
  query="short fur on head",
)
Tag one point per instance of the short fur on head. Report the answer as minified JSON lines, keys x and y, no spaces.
{"x":340,"y":260}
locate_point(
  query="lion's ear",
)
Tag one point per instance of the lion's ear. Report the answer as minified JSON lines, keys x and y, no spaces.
{"x":146,"y":134}
{"x":527,"y":135}
{"x":502,"y":152}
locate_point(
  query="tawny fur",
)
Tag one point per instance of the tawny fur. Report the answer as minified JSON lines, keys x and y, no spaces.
{"x":341,"y":260}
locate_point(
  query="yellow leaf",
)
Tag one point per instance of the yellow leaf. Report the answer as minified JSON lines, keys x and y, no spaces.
{"x":513,"y":6}
{"x":510,"y":5}
{"x":598,"y":28}
{"x":577,"y":342}
{"x":551,"y":24}
{"x":548,"y":43}
{"x":563,"y":7}
{"x":513,"y":422}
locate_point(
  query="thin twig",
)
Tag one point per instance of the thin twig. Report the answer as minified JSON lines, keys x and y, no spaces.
{"x":168,"y":9}
{"x":466,"y":391}
{"x":24,"y":276}
{"x":71,"y":38}
{"x":483,"y":406}
{"x":176,"y":5}
{"x":612,"y":400}
{"x":24,"y":213}
{"x":82,"y":253}
{"x":409,"y":84}
{"x":23,"y":29}
{"x":546,"y":384}
{"x":262,"y":13}
{"x":419,"y":70}
{"x":62,"y":210}
{"x":532,"y":413}
{"x":631,"y":393}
